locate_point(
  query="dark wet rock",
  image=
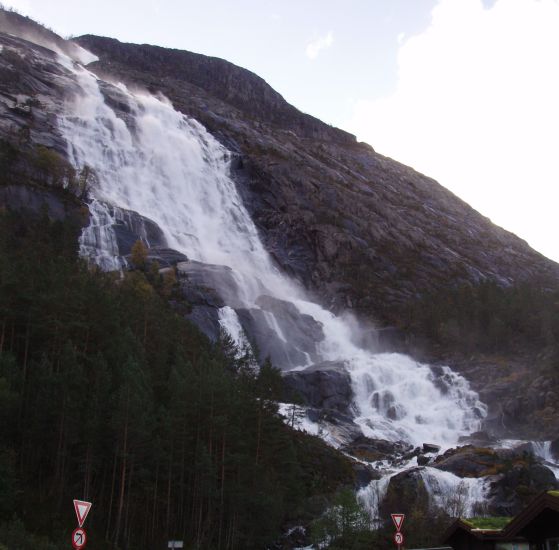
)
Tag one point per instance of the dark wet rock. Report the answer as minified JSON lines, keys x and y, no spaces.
{"x":207,"y":320}
{"x":470,"y":461}
{"x":325,"y":385}
{"x":406,"y":493}
{"x":371,"y":450}
{"x":55,"y":205}
{"x":131,"y":227}
{"x":364,"y":474}
{"x":518,"y":485}
{"x":217,"y":282}
{"x":261,"y":334}
{"x":554,"y":448}
{"x":431,"y":448}
{"x":302,"y":330}
{"x":165,"y":257}
{"x":423,"y":460}
{"x":477,"y":439}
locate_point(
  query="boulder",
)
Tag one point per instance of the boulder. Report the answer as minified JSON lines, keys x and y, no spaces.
{"x":325,"y":385}
{"x":431,"y":448}
{"x":470,"y":461}
{"x":130,"y":227}
{"x":406,"y":493}
{"x":423,"y":460}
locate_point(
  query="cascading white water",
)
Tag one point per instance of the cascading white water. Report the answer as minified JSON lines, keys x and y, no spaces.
{"x":168,"y":168}
{"x":230,"y":324}
{"x":542,"y":449}
{"x":98,"y":240}
{"x":459,"y":497}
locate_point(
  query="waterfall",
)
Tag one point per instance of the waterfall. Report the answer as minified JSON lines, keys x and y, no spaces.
{"x":542,"y":449}
{"x":459,"y":497}
{"x":156,"y":161}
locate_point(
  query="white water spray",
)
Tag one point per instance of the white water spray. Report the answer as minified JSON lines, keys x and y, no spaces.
{"x":168,"y":168}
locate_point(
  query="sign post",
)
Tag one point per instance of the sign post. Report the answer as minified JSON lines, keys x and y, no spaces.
{"x":79,"y":537}
{"x":398,"y":520}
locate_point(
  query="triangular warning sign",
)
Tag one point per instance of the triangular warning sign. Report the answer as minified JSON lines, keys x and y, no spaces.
{"x":82,"y":509}
{"x":398,"y":520}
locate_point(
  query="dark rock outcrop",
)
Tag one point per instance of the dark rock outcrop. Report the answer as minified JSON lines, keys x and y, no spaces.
{"x":54,"y":204}
{"x":470,"y":461}
{"x":131,"y":227}
{"x":406,"y":493}
{"x":371,"y":450}
{"x":554,"y":448}
{"x":518,"y":485}
{"x":326,"y":385}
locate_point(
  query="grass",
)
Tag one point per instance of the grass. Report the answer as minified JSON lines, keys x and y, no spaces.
{"x":489,"y":523}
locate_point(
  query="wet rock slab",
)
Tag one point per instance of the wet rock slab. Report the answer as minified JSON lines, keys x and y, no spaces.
{"x":326,"y":385}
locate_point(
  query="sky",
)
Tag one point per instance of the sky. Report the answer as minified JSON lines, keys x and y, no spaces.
{"x":465,"y":91}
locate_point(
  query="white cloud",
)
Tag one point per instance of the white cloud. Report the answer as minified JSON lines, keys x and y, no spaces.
{"x":319,"y":44}
{"x":476,"y":107}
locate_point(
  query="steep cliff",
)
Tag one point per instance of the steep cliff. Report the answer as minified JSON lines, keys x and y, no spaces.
{"x":361,"y":230}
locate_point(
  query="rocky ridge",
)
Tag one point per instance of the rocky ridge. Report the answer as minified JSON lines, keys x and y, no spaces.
{"x":360,"y":230}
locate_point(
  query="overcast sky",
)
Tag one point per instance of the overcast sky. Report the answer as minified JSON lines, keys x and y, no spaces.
{"x":465,"y":91}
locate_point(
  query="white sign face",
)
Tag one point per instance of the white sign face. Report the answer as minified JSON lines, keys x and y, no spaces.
{"x":175,"y":544}
{"x":82,"y":509}
{"x":398,"y":520}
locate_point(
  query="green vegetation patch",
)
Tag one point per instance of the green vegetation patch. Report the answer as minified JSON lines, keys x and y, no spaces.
{"x":489,"y":523}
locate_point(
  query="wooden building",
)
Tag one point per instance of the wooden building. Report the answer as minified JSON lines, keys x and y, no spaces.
{"x":535,"y":528}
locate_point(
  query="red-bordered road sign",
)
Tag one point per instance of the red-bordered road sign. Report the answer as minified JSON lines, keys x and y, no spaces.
{"x":82,"y":509}
{"x":398,"y":520}
{"x":399,"y":538}
{"x":79,"y":538}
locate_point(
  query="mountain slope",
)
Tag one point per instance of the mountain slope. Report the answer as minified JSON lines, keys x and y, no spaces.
{"x":361,"y":230}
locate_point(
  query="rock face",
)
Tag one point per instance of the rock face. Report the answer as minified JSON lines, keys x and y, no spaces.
{"x":326,"y":385}
{"x":406,"y":493}
{"x":518,"y":485}
{"x":361,"y":230}
{"x":372,"y":450}
{"x":25,"y":198}
{"x":470,"y":461}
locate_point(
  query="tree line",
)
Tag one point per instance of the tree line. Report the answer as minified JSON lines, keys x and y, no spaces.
{"x":108,"y":394}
